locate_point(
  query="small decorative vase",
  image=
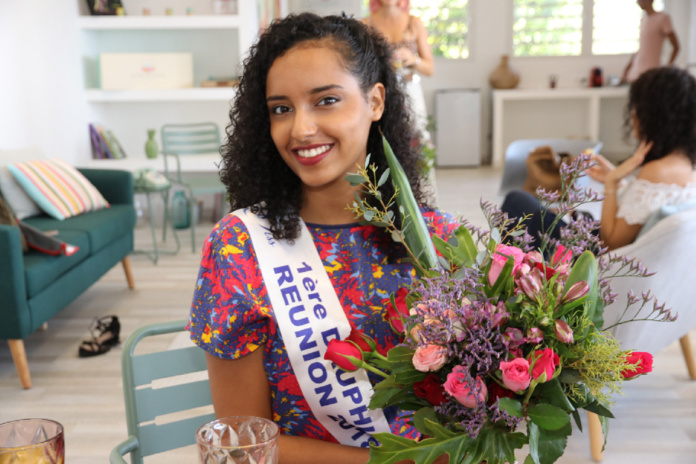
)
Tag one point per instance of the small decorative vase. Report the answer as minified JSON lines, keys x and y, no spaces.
{"x":151,"y":148}
{"x":503,"y":77}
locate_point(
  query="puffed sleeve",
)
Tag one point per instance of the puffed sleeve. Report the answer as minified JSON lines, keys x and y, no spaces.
{"x":230,"y":314}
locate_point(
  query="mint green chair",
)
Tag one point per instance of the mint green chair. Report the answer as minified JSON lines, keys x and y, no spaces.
{"x":145,"y":404}
{"x":179,"y":140}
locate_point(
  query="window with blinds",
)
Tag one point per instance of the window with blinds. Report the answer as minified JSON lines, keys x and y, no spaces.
{"x":616,"y":26}
{"x":547,"y":27}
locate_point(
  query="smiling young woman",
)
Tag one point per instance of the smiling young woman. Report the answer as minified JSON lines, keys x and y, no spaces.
{"x":291,"y":268}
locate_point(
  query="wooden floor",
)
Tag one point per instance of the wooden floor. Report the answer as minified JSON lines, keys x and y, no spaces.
{"x":656,"y":418}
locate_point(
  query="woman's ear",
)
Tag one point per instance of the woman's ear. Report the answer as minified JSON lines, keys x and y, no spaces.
{"x":375,"y":97}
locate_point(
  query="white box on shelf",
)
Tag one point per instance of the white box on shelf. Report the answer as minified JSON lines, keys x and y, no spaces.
{"x":133,"y":71}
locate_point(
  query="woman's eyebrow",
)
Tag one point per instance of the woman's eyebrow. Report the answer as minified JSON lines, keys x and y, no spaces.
{"x":313,"y":91}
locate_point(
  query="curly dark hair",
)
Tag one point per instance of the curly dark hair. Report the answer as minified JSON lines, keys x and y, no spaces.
{"x":663,"y":101}
{"x":252,"y":169}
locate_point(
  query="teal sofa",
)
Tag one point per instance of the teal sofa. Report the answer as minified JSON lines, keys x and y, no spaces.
{"x":35,"y":286}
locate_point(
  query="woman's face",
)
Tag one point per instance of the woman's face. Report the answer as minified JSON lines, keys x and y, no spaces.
{"x":320,"y":118}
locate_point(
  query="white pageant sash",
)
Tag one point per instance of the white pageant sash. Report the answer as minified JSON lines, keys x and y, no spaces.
{"x":309,"y":315}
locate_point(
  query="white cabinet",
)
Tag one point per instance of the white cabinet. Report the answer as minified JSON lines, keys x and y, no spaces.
{"x":218,"y":44}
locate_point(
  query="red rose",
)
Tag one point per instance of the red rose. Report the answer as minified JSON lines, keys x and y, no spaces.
{"x":546,"y":362}
{"x":394,"y":315}
{"x":644,"y":363}
{"x":366,"y":343}
{"x":431,"y":389}
{"x":496,"y":391}
{"x":344,"y":354}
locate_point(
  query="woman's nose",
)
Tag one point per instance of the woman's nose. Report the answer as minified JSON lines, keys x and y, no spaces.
{"x":304,"y":125}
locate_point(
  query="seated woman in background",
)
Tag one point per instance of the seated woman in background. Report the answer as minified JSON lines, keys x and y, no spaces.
{"x":661,"y":113}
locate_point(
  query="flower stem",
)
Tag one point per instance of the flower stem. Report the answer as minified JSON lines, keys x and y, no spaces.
{"x":373,"y":369}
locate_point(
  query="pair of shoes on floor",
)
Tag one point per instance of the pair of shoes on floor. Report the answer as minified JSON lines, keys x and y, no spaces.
{"x":105,"y":334}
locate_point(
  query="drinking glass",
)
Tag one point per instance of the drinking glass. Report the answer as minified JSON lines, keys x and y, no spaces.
{"x":238,"y":440}
{"x":35,"y":441}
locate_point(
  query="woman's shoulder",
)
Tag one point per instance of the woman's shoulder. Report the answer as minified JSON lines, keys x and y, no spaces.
{"x":671,"y":169}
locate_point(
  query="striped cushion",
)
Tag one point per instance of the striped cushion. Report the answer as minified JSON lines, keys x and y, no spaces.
{"x":58,"y":188}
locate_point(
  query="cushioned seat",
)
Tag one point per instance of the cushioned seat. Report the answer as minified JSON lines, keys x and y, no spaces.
{"x":103,"y":226}
{"x":41,"y":270}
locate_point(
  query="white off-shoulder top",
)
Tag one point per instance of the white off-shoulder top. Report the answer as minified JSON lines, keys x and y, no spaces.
{"x":639,"y":198}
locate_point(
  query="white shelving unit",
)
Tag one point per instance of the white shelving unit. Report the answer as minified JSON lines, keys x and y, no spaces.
{"x":218,"y":44}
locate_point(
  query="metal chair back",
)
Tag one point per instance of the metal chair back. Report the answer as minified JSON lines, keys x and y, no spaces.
{"x":166,"y":395}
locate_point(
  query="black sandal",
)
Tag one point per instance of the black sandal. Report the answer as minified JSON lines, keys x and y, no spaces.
{"x":105,"y":334}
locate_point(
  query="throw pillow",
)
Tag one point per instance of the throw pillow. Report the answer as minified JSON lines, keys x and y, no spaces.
{"x":16,"y":198}
{"x":6,"y":217}
{"x":58,"y":188}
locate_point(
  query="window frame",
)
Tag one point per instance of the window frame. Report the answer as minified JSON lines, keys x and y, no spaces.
{"x":586,"y":31}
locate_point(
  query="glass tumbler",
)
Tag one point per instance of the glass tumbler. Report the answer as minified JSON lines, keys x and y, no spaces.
{"x":238,"y":440}
{"x":35,"y":441}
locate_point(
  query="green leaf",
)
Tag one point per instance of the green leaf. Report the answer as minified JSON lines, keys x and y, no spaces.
{"x":382,"y":396}
{"x":369,"y":215}
{"x":585,"y":269}
{"x":576,"y":417}
{"x":466,"y":244}
{"x":496,"y":445}
{"x":393,"y":448}
{"x":552,"y":393}
{"x":400,"y":354}
{"x":598,"y":409}
{"x":421,"y":424}
{"x":548,"y":417}
{"x":416,"y":233}
{"x":409,"y":377}
{"x":383,"y":178}
{"x":356,"y":179}
{"x":513,"y":407}
{"x":546,"y":446}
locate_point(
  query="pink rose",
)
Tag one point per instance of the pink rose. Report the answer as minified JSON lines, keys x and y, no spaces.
{"x":429,"y":358}
{"x":500,"y":257}
{"x":546,"y":362}
{"x":516,"y":374}
{"x":457,"y":387}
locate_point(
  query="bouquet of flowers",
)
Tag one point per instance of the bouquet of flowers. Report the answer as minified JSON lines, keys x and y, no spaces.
{"x":503,"y":344}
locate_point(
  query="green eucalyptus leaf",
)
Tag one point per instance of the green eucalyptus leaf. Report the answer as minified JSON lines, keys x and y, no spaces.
{"x":356,"y":179}
{"x":383,"y":178}
{"x":369,"y":215}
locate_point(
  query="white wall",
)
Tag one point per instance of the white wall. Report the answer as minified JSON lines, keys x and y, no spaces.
{"x":41,"y":81}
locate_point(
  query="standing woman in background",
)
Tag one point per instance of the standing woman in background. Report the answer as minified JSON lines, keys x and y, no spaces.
{"x":411,"y":52}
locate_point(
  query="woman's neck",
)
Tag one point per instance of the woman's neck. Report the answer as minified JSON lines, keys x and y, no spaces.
{"x":328,"y":206}
{"x":389,"y":12}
